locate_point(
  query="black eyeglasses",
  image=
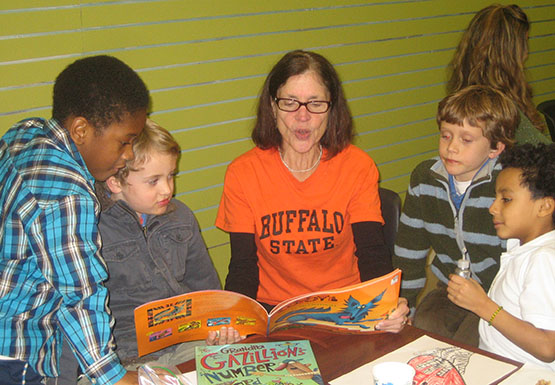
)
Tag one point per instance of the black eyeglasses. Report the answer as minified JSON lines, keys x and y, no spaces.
{"x":292,"y":105}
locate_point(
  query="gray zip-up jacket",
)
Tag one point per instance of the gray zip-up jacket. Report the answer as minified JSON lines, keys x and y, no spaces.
{"x":164,"y":258}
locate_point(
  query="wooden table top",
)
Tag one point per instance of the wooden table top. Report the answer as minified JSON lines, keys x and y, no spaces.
{"x":338,"y":354}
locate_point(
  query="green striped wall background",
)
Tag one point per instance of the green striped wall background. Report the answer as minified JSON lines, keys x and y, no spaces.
{"x":205,"y":61}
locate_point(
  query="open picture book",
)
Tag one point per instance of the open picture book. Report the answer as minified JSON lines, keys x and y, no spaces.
{"x":188,"y":317}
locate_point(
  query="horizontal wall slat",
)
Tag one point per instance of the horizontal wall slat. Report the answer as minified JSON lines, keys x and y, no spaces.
{"x":200,"y":179}
{"x":207,"y":156}
{"x":404,"y":149}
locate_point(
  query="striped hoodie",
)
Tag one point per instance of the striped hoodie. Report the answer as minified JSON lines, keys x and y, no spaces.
{"x":430,"y":221}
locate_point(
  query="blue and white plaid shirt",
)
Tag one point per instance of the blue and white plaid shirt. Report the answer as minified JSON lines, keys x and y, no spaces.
{"x":51,"y":271}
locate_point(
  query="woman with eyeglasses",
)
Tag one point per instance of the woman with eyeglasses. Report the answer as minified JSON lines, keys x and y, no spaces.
{"x":302,"y":207}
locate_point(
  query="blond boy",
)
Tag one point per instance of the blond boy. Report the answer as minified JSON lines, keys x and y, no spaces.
{"x":446,"y":207}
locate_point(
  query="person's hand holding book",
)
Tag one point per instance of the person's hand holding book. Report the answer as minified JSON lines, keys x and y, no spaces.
{"x":398,"y":319}
{"x":224,"y":336}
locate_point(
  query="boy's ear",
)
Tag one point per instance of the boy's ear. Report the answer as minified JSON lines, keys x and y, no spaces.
{"x":79,"y":129}
{"x":113,"y":184}
{"x":547,"y":206}
{"x":494,"y":152}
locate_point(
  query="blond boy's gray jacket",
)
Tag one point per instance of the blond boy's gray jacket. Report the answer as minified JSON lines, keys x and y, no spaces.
{"x":164,"y":258}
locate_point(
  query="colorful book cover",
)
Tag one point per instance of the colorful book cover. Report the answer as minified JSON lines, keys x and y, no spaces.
{"x":271,"y":363}
{"x":187,"y":317}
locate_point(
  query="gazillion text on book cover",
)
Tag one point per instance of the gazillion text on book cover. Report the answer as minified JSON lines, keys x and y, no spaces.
{"x":268,"y":363}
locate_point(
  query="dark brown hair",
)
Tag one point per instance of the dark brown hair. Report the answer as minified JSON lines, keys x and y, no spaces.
{"x":339,"y":132}
{"x":482,"y":107}
{"x":492,"y":51}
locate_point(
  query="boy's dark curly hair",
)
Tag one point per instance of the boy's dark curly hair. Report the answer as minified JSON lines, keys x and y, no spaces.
{"x":101,"y":89}
{"x":537,"y":163}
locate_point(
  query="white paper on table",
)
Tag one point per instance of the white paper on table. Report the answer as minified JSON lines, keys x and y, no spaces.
{"x":191,"y":377}
{"x":448,"y":360}
{"x":530,"y":374}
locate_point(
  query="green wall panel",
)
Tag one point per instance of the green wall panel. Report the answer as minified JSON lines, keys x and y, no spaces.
{"x":212,"y":134}
{"x":205,"y":62}
{"x":201,"y":198}
{"x":201,"y":179}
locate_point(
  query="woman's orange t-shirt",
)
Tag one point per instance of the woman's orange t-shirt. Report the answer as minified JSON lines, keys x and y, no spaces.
{"x":302,"y":229}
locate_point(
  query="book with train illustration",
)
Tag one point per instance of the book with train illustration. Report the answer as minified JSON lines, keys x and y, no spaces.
{"x":188,"y":317}
{"x":283,"y":362}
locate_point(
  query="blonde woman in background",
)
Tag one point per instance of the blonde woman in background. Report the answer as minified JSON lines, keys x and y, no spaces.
{"x":492,"y":52}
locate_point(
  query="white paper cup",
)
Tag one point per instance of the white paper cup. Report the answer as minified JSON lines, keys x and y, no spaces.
{"x":393,"y":373}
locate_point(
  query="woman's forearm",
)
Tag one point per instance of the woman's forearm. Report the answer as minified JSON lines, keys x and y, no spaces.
{"x":373,"y":255}
{"x":243,"y":266}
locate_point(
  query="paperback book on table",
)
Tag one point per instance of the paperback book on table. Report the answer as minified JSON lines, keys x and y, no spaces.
{"x":188,"y":317}
{"x":283,"y":362}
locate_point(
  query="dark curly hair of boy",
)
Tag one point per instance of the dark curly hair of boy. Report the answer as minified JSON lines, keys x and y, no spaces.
{"x":102,"y":89}
{"x":537,"y":163}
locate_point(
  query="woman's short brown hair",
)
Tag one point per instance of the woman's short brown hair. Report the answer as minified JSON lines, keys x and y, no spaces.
{"x":483,"y":107}
{"x":340,"y":125}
